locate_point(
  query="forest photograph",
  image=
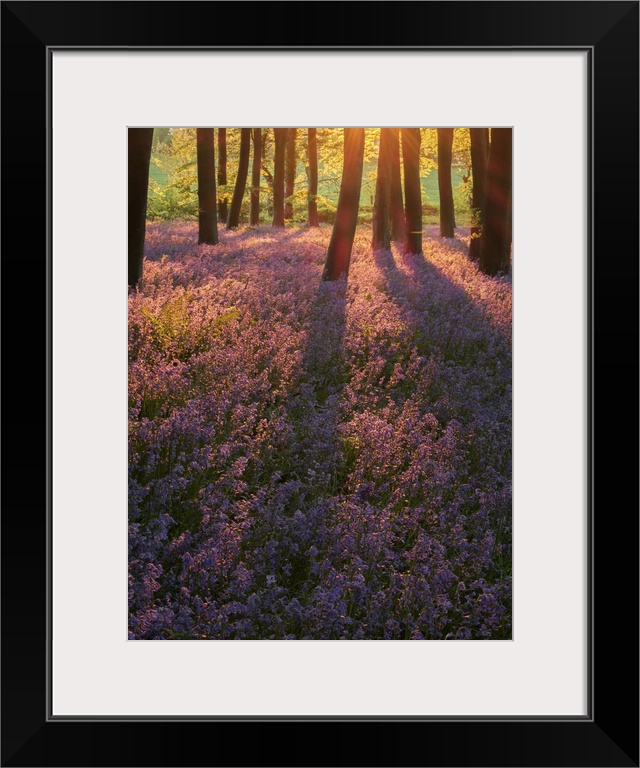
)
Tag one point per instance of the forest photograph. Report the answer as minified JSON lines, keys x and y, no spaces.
{"x":320,"y":383}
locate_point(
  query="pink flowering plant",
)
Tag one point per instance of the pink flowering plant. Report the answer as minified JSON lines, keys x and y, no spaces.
{"x":318,"y":460}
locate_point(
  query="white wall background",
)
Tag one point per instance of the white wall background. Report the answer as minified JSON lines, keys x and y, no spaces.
{"x":95,"y":669}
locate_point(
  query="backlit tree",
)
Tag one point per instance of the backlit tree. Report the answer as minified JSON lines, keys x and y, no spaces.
{"x":344,"y":228}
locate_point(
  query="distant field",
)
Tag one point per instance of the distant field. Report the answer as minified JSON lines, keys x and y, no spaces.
{"x":430,"y":184}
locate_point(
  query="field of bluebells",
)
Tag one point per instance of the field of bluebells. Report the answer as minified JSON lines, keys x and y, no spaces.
{"x":315,"y":460}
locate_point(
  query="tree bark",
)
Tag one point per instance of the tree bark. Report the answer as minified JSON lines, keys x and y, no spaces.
{"x":280,"y":137}
{"x":205,"y":157}
{"x":495,"y":242}
{"x":241,"y":179}
{"x":312,"y":196}
{"x":139,"y":158}
{"x":254,"y":215}
{"x":290,"y":172}
{"x":479,"y":154}
{"x":344,"y":228}
{"x":397,"y":206}
{"x":222,"y":173}
{"x":412,"y":190}
{"x":447,"y":218}
{"x":382,"y":208}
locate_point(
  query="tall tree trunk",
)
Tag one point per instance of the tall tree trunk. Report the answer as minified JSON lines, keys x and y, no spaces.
{"x":254,"y":215}
{"x":139,"y":158}
{"x":397,"y":206}
{"x":290,"y":172}
{"x":495,"y":242}
{"x":382,"y":210}
{"x":479,"y":154}
{"x":447,"y":218}
{"x":222,"y":173}
{"x":344,"y":228}
{"x":412,"y":190}
{"x":241,"y":179}
{"x":312,"y":196}
{"x":205,"y":156}
{"x":280,"y":138}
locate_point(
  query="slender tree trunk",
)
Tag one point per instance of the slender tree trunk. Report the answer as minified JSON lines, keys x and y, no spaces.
{"x":447,"y":218}
{"x":254,"y":216}
{"x":241,"y":179}
{"x":344,"y":228}
{"x":222,"y":173}
{"x":479,"y":154}
{"x":139,"y":157}
{"x":397,"y":206}
{"x":207,"y":217}
{"x":382,"y":208}
{"x":290,"y":172}
{"x":412,"y":190}
{"x":266,"y":173}
{"x":495,"y":242}
{"x":280,"y":137}
{"x":312,"y":204}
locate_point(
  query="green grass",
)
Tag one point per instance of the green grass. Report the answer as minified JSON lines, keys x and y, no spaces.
{"x":430,"y":184}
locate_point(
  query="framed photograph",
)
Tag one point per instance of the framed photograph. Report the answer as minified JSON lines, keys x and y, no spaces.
{"x":404,"y":454}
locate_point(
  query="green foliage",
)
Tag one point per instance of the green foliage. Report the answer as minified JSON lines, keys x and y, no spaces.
{"x":171,"y":324}
{"x":462,"y":199}
{"x":173,"y":174}
{"x":160,"y":136}
{"x":172,"y":328}
{"x":461,"y":150}
{"x":326,"y":210}
{"x":173,"y":185}
{"x":170,"y":202}
{"x":173,"y":191}
{"x":229,"y":316}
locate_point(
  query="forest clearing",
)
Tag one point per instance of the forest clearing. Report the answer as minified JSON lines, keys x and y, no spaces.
{"x":313,"y":456}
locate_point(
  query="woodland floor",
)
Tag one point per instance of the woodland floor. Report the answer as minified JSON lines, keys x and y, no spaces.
{"x":316,"y":460}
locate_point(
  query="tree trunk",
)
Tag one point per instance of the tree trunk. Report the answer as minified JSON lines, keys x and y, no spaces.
{"x":290,"y":172}
{"x":205,"y":156}
{"x":397,"y":206}
{"x":222,"y":173}
{"x":344,"y":228}
{"x":447,"y":218}
{"x":280,"y":137}
{"x":382,"y":209}
{"x":312,"y":205}
{"x":495,"y":242}
{"x":254,"y":215}
{"x":479,"y":154}
{"x":412,"y":190}
{"x":241,"y":179}
{"x":139,"y":158}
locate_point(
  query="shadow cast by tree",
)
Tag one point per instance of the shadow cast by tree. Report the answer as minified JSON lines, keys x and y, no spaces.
{"x":336,"y":457}
{"x":315,"y":405}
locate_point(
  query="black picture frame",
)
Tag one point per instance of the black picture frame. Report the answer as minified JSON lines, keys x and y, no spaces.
{"x":608,"y":735}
